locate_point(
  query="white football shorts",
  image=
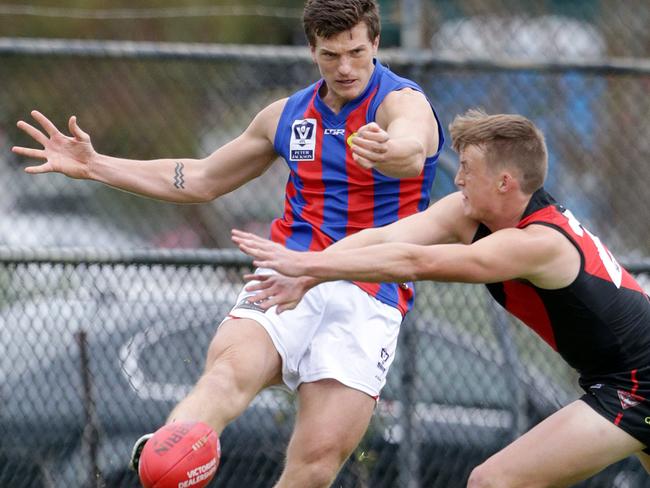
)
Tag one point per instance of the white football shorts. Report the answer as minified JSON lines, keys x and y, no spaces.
{"x":337,"y":331}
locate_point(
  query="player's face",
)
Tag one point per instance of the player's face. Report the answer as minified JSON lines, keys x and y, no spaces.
{"x":476,"y":182}
{"x":345,"y":62}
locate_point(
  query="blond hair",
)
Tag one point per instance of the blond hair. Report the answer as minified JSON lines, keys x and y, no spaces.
{"x":508,"y":141}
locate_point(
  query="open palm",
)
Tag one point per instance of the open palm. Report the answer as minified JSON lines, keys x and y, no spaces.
{"x":62,"y":154}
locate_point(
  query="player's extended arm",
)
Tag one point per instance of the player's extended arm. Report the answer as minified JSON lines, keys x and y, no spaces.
{"x":179,"y":180}
{"x":410,"y":135}
{"x":443,"y":222}
{"x":506,"y":254}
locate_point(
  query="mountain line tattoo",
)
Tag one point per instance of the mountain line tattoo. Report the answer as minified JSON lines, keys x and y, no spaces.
{"x":179,"y":179}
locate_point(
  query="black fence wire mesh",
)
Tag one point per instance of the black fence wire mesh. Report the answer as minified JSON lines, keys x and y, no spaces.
{"x":99,"y":346}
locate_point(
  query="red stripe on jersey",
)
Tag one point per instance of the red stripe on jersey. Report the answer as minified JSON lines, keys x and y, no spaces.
{"x":404,"y":295}
{"x":630,"y":283}
{"x":319,"y":240}
{"x":410,"y":194}
{"x":525,"y":304}
{"x":618,"y":418}
{"x":281,"y":228}
{"x":635,"y":382}
{"x":361,"y":188}
{"x":594,"y":264}
{"x":370,"y":288}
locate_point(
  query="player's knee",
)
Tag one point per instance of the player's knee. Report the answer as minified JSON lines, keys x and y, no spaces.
{"x":483,"y":477}
{"x":319,"y":472}
{"x":319,"y":461}
{"x":215,"y":351}
{"x":492,"y":475}
{"x":223,"y":380}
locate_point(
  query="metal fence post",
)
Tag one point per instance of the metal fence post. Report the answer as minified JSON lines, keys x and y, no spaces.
{"x":411,"y":28}
{"x":409,"y":446}
{"x":90,"y":436}
{"x":512,"y":364}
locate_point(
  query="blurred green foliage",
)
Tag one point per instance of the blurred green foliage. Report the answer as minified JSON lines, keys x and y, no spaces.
{"x":212,"y":21}
{"x":198,"y":26}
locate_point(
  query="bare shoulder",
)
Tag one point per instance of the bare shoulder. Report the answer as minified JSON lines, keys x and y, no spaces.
{"x":266,"y":121}
{"x":270,"y":115}
{"x":557,"y":258}
{"x":544,"y":237}
{"x":407,"y":113}
{"x":546,"y":243}
{"x":535,"y":241}
{"x":274,"y":110}
{"x":402,"y":103}
{"x":406,"y":95}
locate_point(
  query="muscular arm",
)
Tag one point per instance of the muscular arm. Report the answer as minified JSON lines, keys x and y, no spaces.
{"x":405,"y":134}
{"x":179,"y":180}
{"x":536,"y":253}
{"x":443,"y":222}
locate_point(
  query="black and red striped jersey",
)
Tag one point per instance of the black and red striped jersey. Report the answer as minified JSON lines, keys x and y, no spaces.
{"x":600,"y":323}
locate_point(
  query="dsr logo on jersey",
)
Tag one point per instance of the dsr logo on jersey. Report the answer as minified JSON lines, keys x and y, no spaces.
{"x":334,"y":132}
{"x":647,"y":420}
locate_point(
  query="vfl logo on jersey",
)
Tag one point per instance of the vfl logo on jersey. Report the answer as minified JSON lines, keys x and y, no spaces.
{"x":302,"y":146}
{"x":629,"y":400}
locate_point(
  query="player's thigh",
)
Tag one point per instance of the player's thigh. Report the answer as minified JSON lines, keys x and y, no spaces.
{"x":570,"y":445}
{"x":332,"y":418}
{"x":246,"y":347}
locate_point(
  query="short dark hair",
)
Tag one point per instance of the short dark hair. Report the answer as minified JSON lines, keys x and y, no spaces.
{"x":508,"y":139}
{"x":326,"y":18}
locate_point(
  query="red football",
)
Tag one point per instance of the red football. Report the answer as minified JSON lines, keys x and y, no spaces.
{"x":180,"y":455}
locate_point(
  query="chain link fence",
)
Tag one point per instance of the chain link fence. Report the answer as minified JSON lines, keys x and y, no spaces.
{"x":99,"y":344}
{"x":148,"y":101}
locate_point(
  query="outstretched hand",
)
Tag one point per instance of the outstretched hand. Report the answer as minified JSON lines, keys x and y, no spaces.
{"x":284,"y":290}
{"x":268,"y":254}
{"x":275,"y":289}
{"x":60,"y":153}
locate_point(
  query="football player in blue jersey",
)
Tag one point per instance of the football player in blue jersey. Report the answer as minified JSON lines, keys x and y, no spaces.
{"x":361,"y":145}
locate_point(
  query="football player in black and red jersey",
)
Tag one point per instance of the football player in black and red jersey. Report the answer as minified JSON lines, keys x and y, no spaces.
{"x":541,"y":264}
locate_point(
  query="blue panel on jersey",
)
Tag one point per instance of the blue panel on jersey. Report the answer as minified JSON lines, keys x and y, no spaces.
{"x":336,"y":190}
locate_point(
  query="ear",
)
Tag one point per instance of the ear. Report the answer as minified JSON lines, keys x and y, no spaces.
{"x":375,"y":46}
{"x":507,"y":183}
{"x":312,"y":51}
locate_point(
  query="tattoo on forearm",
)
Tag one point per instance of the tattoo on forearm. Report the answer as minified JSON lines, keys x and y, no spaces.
{"x":179,"y":177}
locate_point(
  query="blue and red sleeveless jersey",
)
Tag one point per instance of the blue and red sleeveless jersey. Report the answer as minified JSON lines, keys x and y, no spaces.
{"x":328,"y":195}
{"x":600,"y":323}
